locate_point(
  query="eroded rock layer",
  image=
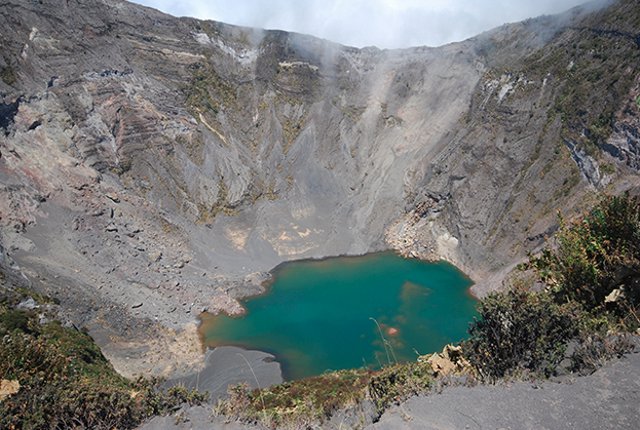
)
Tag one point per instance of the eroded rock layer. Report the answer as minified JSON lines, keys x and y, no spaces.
{"x":153,"y":167}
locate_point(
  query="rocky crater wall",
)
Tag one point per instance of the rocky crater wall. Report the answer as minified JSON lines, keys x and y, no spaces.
{"x":152,"y":167}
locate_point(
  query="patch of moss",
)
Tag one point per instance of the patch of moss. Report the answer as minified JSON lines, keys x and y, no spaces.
{"x":40,"y":299}
{"x":291,"y":129}
{"x":569,"y":183}
{"x":193,"y":145}
{"x":221,"y":205}
{"x":208,"y":93}
{"x":8,"y":75}
{"x":607,"y":168}
{"x":354,"y":113}
{"x":122,"y":167}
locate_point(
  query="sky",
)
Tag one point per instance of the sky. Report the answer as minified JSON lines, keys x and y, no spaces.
{"x":381,"y":23}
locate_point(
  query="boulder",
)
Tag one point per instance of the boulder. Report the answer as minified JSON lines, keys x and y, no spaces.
{"x":449,"y":361}
{"x":8,"y":388}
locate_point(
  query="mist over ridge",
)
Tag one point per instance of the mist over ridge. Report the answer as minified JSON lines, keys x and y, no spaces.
{"x":380,"y":23}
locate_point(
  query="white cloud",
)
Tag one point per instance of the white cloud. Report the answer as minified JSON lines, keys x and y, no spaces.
{"x":383,"y":23}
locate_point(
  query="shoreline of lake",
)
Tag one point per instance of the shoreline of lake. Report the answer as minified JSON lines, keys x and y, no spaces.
{"x":285,"y":350}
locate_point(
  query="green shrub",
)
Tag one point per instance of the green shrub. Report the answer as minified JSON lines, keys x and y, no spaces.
{"x":519,"y":331}
{"x":595,"y":256}
{"x":296,"y":404}
{"x":596,"y":345}
{"x":14,"y":320}
{"x":8,"y":75}
{"x":593,"y":281}
{"x":66,"y":382}
{"x":395,"y":383}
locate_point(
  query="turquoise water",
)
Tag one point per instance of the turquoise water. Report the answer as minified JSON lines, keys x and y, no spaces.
{"x":319,"y":315}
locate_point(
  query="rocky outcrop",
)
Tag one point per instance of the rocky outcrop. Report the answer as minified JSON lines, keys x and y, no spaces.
{"x":528,"y":145}
{"x":8,"y":388}
{"x":7,"y":112}
{"x":624,"y":142}
{"x":448,"y":362}
{"x":152,"y":167}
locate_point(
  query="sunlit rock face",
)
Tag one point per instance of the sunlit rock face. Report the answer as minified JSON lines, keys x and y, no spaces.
{"x":152,"y":167}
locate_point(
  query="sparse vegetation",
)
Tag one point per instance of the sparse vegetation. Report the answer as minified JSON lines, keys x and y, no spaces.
{"x":591,"y":301}
{"x":394,"y":383}
{"x":592,"y":87}
{"x":291,"y":130}
{"x":193,"y":145}
{"x":66,"y":382}
{"x":208,"y":92}
{"x":519,"y":331}
{"x":305,"y":402}
{"x":597,"y":261}
{"x":221,"y":205}
{"x":121,"y":167}
{"x":8,"y":75}
{"x":607,"y":168}
{"x":296,"y":404}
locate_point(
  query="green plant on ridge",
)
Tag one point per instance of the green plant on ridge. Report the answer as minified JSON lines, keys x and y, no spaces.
{"x":520,"y":331}
{"x":66,"y":382}
{"x":595,"y":256}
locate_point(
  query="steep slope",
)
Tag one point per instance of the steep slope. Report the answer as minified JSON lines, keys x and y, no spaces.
{"x":536,"y":140}
{"x":152,"y":167}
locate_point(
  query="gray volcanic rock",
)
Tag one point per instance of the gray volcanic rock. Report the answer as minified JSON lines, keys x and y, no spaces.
{"x":153,"y":167}
{"x":607,"y":399}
